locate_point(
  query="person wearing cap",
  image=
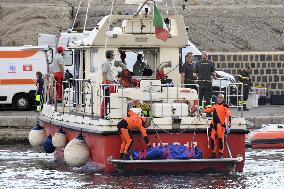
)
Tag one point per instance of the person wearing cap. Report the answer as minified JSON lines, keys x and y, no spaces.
{"x":108,"y":78}
{"x":187,"y":72}
{"x":221,"y":123}
{"x":134,"y":121}
{"x":205,"y":72}
{"x":57,"y":69}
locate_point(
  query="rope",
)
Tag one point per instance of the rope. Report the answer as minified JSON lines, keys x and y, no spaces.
{"x":76,"y":15}
{"x":156,"y":126}
{"x":172,"y":69}
{"x":193,"y":137}
{"x":86,"y":17}
{"x":197,"y":118}
{"x":111,"y":10}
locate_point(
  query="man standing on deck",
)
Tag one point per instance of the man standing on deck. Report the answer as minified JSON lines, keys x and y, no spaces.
{"x":187,"y":71}
{"x":221,"y":122}
{"x":244,"y":77}
{"x":108,"y":78}
{"x":57,"y":69}
{"x":205,"y":72}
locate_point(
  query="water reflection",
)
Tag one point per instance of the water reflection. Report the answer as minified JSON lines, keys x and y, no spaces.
{"x":23,"y":167}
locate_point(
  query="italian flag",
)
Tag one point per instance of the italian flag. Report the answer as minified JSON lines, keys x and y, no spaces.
{"x":161,"y":29}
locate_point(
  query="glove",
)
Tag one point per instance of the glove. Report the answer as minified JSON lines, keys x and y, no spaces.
{"x":199,"y":110}
{"x":228,"y":130}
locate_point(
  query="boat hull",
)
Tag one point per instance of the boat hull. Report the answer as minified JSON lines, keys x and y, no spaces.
{"x":267,"y":139}
{"x":105,"y":145}
{"x":174,"y":166}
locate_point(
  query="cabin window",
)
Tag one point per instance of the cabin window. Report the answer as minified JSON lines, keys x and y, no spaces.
{"x":141,"y":62}
{"x":68,"y":57}
{"x":93,"y":57}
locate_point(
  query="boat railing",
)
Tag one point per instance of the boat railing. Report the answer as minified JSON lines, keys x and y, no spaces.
{"x":50,"y":92}
{"x":105,"y":91}
{"x":234,"y":92}
{"x":78,"y":95}
{"x":75,"y":93}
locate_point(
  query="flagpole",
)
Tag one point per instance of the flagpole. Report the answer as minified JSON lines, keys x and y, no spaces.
{"x":142,"y":7}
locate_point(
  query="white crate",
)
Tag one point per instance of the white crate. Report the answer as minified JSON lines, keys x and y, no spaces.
{"x":162,"y":110}
{"x":180,"y":109}
{"x":168,"y":110}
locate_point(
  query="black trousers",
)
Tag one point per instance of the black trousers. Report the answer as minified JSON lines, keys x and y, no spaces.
{"x":106,"y":100}
{"x":205,"y":91}
{"x":188,"y":81}
{"x":246,"y":92}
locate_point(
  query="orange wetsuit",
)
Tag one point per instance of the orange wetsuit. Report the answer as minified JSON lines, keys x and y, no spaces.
{"x":221,"y":117}
{"x":134,"y":121}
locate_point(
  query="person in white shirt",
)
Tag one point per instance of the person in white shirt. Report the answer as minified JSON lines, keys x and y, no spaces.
{"x":58,"y":70}
{"x":108,"y":78}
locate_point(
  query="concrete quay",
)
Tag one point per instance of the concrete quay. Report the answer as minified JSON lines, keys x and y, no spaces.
{"x":15,"y":125}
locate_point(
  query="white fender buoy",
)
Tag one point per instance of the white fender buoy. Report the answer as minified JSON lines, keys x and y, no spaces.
{"x":37,"y":136}
{"x":59,"y":139}
{"x":77,"y":153}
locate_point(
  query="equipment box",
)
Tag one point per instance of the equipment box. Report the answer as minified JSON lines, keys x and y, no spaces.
{"x":162,"y":110}
{"x":262,"y":100}
{"x":180,"y":109}
{"x":277,"y":99}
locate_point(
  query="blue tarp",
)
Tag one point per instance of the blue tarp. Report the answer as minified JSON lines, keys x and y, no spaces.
{"x":167,"y":152}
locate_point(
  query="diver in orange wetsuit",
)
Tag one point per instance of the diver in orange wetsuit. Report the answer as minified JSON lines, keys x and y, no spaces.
{"x":134,"y":121}
{"x":221,"y":120}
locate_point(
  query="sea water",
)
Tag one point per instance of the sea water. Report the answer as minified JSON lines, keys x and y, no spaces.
{"x":22,"y":166}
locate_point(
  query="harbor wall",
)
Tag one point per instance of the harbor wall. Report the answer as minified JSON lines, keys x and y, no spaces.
{"x":267,"y":68}
{"x":15,"y":128}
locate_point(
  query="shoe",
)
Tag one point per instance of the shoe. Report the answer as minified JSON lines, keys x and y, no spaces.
{"x":245,"y":107}
{"x":213,"y":156}
{"x":220,"y":156}
{"x":121,"y":156}
{"x":125,"y":157}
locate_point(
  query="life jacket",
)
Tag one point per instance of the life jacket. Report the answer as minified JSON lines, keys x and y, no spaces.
{"x":134,"y":121}
{"x":221,"y":113}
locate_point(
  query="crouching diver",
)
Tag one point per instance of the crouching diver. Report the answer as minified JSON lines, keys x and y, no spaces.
{"x":134,"y":121}
{"x":221,"y":123}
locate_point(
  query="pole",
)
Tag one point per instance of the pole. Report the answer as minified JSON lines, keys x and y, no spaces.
{"x":230,"y":154}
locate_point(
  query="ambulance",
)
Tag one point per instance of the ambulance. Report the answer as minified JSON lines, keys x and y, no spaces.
{"x":18,"y":67}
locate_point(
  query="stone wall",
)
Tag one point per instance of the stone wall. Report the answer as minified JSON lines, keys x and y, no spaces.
{"x":267,"y":68}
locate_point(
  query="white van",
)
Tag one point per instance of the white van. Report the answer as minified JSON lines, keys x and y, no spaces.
{"x":18,"y":67}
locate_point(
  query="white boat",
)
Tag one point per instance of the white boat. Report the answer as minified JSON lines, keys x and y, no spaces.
{"x":81,"y":108}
